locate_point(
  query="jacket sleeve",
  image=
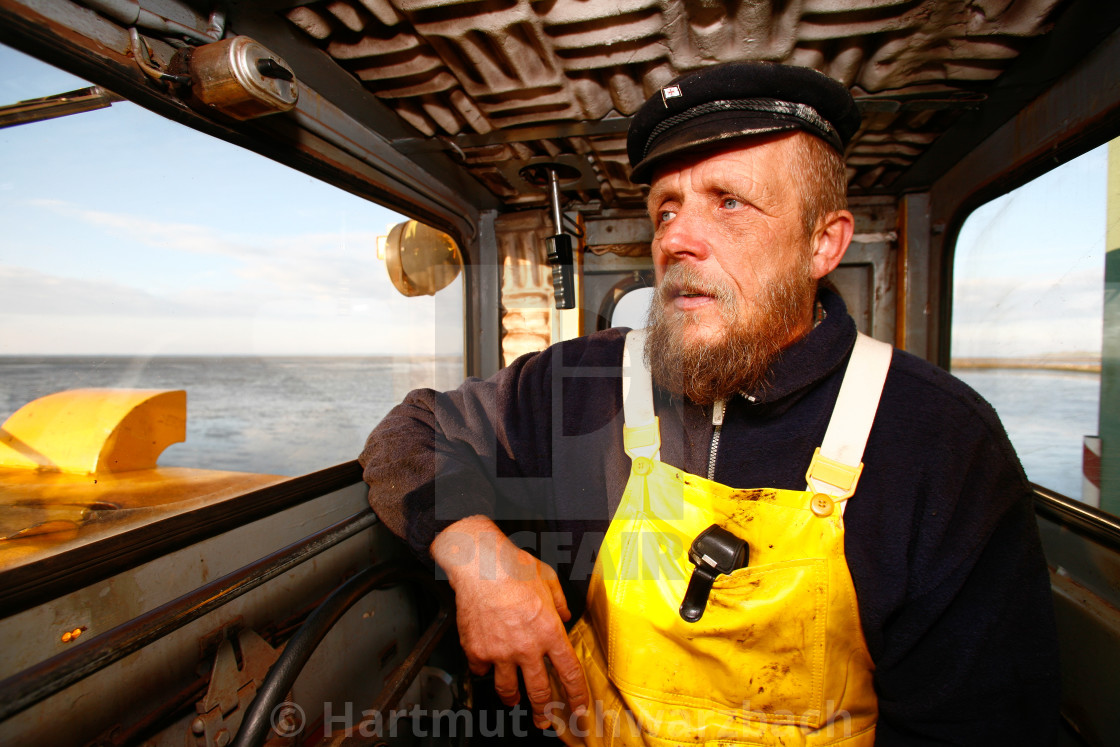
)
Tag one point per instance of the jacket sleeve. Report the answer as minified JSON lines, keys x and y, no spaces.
{"x":967,"y":653}
{"x":441,"y":456}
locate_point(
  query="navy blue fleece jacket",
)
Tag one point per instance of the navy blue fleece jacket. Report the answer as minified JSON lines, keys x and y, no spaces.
{"x":940,"y":537}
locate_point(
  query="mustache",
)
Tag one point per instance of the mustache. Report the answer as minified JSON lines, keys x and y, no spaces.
{"x":681,"y":280}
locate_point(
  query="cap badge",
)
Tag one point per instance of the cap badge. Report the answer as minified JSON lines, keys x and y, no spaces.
{"x":670,"y":92}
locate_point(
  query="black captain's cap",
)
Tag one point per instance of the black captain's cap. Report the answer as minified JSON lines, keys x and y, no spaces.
{"x":720,"y":104}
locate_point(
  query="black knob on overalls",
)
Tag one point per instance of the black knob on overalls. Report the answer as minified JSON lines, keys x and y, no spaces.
{"x":715,"y":551}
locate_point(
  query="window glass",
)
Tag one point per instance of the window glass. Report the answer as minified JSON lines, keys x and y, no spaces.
{"x":1028,"y":300}
{"x":632,"y":308}
{"x":140,"y":253}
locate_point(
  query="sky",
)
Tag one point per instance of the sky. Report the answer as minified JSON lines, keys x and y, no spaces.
{"x":1029,"y":267}
{"x":127,"y":234}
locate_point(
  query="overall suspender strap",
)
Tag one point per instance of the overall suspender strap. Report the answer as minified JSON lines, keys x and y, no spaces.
{"x":641,"y":434}
{"x":838,"y":461}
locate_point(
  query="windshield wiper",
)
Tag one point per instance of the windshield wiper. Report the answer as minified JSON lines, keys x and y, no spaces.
{"x":59,"y":105}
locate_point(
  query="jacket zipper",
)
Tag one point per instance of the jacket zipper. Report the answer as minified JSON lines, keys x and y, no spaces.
{"x":717,"y":421}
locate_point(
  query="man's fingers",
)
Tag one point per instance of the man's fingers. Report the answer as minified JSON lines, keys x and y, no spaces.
{"x":539,"y":689}
{"x":570,"y":672}
{"x":505,"y":683}
{"x":477,"y":666}
{"x":558,"y":598}
{"x":509,"y":609}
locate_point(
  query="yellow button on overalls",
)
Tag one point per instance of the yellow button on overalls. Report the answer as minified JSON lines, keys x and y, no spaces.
{"x":778,"y":656}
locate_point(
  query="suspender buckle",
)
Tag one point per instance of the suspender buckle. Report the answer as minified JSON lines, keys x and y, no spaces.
{"x":842,"y":478}
{"x":642,"y":440}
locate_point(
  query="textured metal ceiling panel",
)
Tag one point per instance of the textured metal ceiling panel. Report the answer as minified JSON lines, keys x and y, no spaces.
{"x":509,"y":83}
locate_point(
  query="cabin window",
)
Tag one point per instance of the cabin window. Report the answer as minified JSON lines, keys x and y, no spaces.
{"x":631,"y":309}
{"x":1033,"y":316}
{"x":140,"y":253}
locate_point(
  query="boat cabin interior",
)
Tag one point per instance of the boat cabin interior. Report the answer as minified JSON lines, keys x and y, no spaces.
{"x":157,"y":604}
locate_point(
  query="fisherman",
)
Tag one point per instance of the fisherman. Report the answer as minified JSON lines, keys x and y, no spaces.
{"x":801,"y":536}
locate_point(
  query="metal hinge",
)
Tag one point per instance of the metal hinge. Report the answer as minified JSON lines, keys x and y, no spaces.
{"x":232,"y":688}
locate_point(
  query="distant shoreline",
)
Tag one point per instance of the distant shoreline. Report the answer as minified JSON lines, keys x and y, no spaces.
{"x":1075,"y":365}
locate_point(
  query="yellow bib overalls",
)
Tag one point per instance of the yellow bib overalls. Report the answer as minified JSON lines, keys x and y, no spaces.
{"x":778,"y":656}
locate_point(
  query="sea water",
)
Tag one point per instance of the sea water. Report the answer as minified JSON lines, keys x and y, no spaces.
{"x":282,"y":416}
{"x":290,"y":416}
{"x":1046,"y":414}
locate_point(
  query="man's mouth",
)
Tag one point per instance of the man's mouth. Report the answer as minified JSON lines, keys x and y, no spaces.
{"x":685,"y":292}
{"x":679,"y":291}
{"x":685,"y":299}
{"x":686,"y":289}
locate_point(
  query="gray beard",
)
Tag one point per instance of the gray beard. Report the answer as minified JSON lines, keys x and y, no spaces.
{"x":740,"y":359}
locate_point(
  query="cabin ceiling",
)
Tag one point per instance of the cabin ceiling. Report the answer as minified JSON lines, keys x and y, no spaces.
{"x":442,"y":108}
{"x":501,"y":85}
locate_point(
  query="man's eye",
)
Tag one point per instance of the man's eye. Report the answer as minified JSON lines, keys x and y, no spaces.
{"x":666,"y":215}
{"x":730,"y":203}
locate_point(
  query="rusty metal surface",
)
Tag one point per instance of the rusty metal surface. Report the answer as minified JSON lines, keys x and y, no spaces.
{"x":52,"y":675}
{"x":139,"y":693}
{"x":234,"y":683}
{"x":59,"y":105}
{"x":504,"y":82}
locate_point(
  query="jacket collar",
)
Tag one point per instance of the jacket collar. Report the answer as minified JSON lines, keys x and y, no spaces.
{"x":811,"y":359}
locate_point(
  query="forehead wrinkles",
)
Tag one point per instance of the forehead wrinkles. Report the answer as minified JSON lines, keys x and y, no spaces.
{"x":757,"y":175}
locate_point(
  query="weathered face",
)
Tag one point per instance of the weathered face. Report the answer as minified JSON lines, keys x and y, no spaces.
{"x":736,"y":267}
{"x":729,"y":225}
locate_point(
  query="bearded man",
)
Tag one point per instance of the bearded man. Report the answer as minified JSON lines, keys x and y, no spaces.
{"x":772,"y":530}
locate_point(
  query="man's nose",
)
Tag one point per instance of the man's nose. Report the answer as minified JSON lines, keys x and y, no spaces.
{"x":685,"y":238}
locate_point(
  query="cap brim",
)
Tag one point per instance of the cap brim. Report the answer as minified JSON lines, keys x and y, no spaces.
{"x":711,"y":132}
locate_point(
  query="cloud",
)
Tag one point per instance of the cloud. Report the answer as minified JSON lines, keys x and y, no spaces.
{"x":30,"y":291}
{"x":1026,"y":316}
{"x":322,"y":264}
{"x":200,"y":239}
{"x":1075,"y":296}
{"x":164,"y":286}
{"x":33,"y":292}
{"x":46,"y":314}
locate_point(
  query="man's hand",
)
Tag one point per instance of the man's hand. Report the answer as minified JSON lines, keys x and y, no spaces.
{"x":510,"y":607}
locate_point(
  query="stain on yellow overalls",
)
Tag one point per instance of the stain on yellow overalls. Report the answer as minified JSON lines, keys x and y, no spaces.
{"x":778,"y":657}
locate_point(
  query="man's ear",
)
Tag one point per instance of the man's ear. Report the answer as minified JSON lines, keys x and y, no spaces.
{"x":830,"y":241}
